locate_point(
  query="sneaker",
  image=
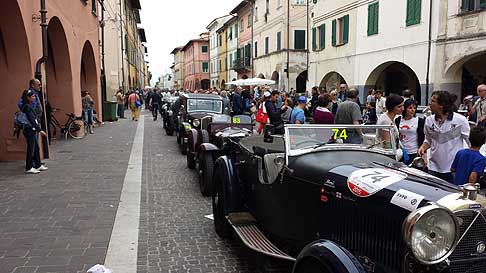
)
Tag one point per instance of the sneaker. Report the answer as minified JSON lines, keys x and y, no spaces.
{"x":32,"y":171}
{"x":42,"y":168}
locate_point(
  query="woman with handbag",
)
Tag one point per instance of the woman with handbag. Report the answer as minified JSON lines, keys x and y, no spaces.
{"x":32,"y":158}
{"x":135,"y":104}
{"x":262,"y":116}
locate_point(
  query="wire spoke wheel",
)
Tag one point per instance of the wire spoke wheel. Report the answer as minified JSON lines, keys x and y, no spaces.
{"x":77,"y":129}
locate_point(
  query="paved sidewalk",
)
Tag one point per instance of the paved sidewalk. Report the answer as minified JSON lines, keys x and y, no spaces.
{"x":61,"y":220}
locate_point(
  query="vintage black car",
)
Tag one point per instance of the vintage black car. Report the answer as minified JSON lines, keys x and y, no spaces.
{"x":193,"y":108}
{"x":205,"y":144}
{"x":331,"y":206}
{"x":167,"y":110}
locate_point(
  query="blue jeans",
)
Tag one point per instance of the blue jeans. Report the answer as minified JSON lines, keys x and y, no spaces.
{"x":88,"y":116}
{"x":121,"y":110}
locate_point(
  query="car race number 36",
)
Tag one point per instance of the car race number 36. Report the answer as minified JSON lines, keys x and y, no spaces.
{"x":366,"y":182}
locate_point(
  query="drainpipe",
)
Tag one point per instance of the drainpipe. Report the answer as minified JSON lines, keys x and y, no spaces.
{"x":288,"y":45}
{"x":308,"y":35}
{"x":121,"y":43}
{"x":252,"y":46}
{"x":38,"y":74}
{"x":103,"y":71}
{"x":427,"y":79}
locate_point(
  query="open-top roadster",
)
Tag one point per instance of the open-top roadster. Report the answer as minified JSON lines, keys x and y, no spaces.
{"x":206,"y":143}
{"x":336,"y":207}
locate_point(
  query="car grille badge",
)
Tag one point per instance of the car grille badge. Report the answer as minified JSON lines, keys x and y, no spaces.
{"x":480,"y":248}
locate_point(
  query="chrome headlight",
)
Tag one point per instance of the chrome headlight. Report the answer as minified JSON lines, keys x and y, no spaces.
{"x":431,"y":232}
{"x":196,"y":122}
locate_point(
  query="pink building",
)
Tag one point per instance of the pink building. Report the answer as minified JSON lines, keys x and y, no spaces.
{"x":72,"y":64}
{"x":243,"y":62}
{"x":196,"y":64}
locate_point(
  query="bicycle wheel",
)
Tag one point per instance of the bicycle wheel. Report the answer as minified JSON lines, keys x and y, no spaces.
{"x":77,"y":129}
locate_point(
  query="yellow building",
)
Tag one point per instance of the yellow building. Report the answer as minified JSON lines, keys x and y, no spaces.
{"x":223,"y":65}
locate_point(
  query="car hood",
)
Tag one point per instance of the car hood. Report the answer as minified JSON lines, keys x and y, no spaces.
{"x":369,"y":177}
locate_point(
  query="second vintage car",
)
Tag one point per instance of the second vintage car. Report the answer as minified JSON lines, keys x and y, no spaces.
{"x":331,"y":206}
{"x":194,"y":109}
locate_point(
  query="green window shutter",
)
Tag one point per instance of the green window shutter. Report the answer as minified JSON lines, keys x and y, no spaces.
{"x":322,"y":36}
{"x":373,"y":10}
{"x":482,"y":4}
{"x":345,"y":29}
{"x":334,"y":23}
{"x":279,"y":40}
{"x":256,"y":49}
{"x":266,"y":45}
{"x":414,"y":9}
{"x":299,"y":39}
{"x":314,"y":38}
{"x":238,"y":53}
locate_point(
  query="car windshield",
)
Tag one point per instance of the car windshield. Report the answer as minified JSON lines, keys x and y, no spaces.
{"x":203,"y":105}
{"x":301,"y":139}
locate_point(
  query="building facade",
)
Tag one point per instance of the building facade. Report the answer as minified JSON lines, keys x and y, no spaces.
{"x":232,"y":46}
{"x":280,"y":43}
{"x":244,"y":60}
{"x":196,"y":63}
{"x":72,"y":64}
{"x":178,"y":68}
{"x":222,"y":55}
{"x":214,"y":44}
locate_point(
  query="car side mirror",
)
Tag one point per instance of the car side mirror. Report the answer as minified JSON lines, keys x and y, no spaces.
{"x":268,"y":132}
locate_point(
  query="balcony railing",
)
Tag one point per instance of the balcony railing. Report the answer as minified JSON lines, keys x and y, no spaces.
{"x":242,"y":64}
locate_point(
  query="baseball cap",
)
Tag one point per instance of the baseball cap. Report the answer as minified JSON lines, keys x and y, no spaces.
{"x":302,"y":99}
{"x":267,"y":94}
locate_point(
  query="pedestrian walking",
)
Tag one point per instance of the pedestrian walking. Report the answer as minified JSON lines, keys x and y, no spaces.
{"x":468,"y":165}
{"x":322,"y":114}
{"x":135,"y":103}
{"x":335,"y":101}
{"x":369,"y":116}
{"x":237,"y":102}
{"x":298,"y":116}
{"x":88,"y":104}
{"x":32,"y":157}
{"x":349,"y":112}
{"x":411,"y":129}
{"x":120,"y":100}
{"x":286,"y":115}
{"x":34,"y":86}
{"x":314,"y":98}
{"x":371,"y":95}
{"x":155,"y":101}
{"x":445,"y":133}
{"x":226,"y":102}
{"x":394,"y":107}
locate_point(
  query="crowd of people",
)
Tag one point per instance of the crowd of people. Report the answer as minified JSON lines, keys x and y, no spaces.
{"x":451,"y":140}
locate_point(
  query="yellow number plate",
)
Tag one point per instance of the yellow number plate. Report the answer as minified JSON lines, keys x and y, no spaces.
{"x":236,"y":120}
{"x":340,"y":134}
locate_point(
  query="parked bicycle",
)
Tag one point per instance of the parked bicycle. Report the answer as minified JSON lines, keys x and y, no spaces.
{"x":74,"y":126}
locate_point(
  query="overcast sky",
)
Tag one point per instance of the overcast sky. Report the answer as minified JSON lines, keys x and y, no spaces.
{"x":169,"y":24}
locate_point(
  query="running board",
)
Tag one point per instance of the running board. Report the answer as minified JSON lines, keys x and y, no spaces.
{"x":253,"y":238}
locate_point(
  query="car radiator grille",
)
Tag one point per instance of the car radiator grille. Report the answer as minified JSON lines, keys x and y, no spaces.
{"x":465,"y":258}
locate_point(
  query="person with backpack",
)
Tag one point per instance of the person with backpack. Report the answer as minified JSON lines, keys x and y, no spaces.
{"x":31,"y":127}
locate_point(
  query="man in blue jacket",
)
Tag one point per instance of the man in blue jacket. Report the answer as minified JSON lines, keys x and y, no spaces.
{"x":237,"y":102}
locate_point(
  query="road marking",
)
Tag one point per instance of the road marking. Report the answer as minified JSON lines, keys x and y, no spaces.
{"x":121,"y":256}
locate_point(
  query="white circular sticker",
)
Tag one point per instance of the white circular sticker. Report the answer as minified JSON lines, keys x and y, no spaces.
{"x":366,"y":182}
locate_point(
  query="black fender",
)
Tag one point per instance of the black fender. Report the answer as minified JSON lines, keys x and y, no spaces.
{"x":192,"y":135}
{"x":231,"y":188}
{"x":330,"y":255}
{"x":208,"y":148}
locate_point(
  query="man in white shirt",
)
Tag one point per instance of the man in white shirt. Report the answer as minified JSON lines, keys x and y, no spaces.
{"x":445,"y":133}
{"x":380,"y":102}
{"x":479,"y":105}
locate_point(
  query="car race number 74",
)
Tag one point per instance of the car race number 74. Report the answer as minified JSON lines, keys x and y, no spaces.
{"x":366,"y":182}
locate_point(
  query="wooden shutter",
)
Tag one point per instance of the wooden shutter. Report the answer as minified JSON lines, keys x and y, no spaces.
{"x":299,"y":39}
{"x":256,"y":49}
{"x":334,"y":23}
{"x":410,"y":7}
{"x":373,"y":10}
{"x":414,"y":9}
{"x":345,"y":29}
{"x":322,"y":36}
{"x":279,"y":40}
{"x":266,"y":45}
{"x":314,"y":39}
{"x":482,"y":4}
{"x":417,"y":11}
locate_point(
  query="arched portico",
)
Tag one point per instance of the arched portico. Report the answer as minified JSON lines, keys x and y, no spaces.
{"x":261,"y":76}
{"x":468,"y":72}
{"x":59,"y":85}
{"x":275,"y":77}
{"x":301,"y":82}
{"x":394,"y":77}
{"x":89,"y":79}
{"x":15,"y":73}
{"x":332,"y":80}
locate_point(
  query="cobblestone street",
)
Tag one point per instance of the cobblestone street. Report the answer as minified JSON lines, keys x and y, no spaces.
{"x":61,"y":220}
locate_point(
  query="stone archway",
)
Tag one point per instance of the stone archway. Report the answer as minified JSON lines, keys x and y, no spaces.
{"x":88,"y":75}
{"x":394,"y":77}
{"x":15,"y":73}
{"x":301,"y":82}
{"x":332,"y":80}
{"x":261,"y":76}
{"x":467,"y":73}
{"x":59,"y":81}
{"x":275,"y":77}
